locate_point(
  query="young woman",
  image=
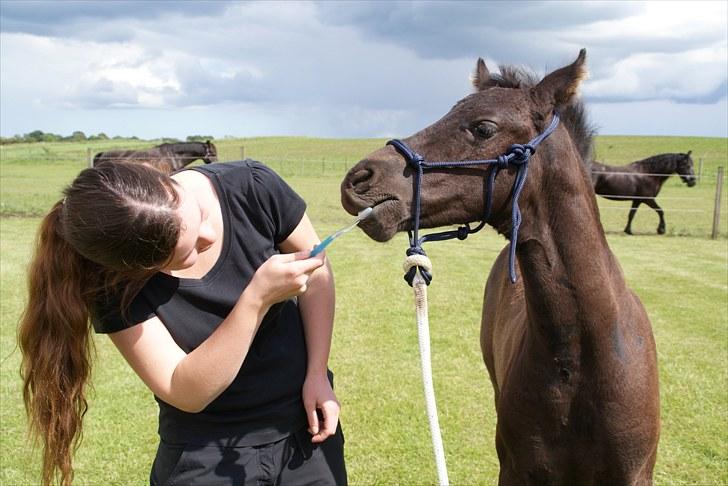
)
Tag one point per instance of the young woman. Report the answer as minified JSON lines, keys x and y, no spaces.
{"x":203,"y":282}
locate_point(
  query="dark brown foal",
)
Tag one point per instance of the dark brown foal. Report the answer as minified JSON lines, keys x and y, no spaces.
{"x":569,"y":347}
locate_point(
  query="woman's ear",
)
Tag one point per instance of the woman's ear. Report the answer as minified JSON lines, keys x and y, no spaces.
{"x":561,"y":86}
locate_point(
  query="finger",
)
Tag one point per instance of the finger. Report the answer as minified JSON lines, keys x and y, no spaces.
{"x":313,"y":420}
{"x":301,"y":280}
{"x":291,"y":257}
{"x":303,"y":255}
{"x":306,"y":266}
{"x":330,"y":415}
{"x":300,"y":256}
{"x":306,"y":255}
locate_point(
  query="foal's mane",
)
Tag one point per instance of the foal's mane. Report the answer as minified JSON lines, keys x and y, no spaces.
{"x":573,"y":115}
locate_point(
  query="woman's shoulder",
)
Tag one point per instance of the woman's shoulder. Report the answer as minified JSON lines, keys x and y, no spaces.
{"x":237,"y":173}
{"x":242,"y":175}
{"x":110,"y":313}
{"x":237,"y":167}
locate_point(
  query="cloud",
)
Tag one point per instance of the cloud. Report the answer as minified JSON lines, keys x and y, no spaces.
{"x":72,"y":18}
{"x":444,"y":30}
{"x":657,"y":117}
{"x":331,"y":68}
{"x":695,"y":76}
{"x":78,"y":74}
{"x":637,"y":51}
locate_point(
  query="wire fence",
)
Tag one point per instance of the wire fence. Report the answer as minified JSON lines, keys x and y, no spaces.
{"x":701,"y":210}
{"x":636,"y":174}
{"x":686,"y":210}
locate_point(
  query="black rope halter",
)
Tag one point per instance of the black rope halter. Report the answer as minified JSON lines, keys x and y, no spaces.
{"x":517,"y":155}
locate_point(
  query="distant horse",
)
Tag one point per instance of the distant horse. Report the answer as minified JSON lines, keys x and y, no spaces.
{"x":641,"y":181}
{"x":569,"y":347}
{"x":167,"y":157}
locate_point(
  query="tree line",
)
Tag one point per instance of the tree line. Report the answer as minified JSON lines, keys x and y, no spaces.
{"x":78,"y":136}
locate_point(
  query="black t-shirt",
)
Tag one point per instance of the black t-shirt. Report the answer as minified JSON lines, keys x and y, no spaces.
{"x":263,"y":403}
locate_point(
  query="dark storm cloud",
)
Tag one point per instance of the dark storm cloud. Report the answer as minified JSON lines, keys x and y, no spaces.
{"x":57,"y":18}
{"x":502,"y":30}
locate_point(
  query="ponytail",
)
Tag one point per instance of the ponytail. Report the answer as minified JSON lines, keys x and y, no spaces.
{"x":115,"y":228}
{"x":56,"y":346}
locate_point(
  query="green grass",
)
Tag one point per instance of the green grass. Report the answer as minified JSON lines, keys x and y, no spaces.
{"x":683,"y":282}
{"x":30,"y":173}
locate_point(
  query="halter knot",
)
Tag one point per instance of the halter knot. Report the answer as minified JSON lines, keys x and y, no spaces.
{"x":415,"y":250}
{"x":463,"y":232}
{"x":520,"y":153}
{"x":417,"y":260}
{"x":421,"y":261}
{"x":502,"y":161}
{"x":415,"y":160}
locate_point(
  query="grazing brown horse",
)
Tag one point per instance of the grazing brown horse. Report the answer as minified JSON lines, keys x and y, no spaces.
{"x":569,"y":347}
{"x":641,"y":181}
{"x":167,"y":157}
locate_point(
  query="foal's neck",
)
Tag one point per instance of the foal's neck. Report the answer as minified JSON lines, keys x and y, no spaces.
{"x":572,"y":282}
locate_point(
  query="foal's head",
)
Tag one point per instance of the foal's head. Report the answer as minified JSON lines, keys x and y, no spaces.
{"x":482,"y":125}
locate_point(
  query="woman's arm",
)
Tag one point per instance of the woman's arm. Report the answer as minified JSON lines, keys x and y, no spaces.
{"x":191,"y":381}
{"x":317,"y":311}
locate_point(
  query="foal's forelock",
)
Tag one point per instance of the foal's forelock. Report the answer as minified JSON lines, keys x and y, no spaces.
{"x":573,"y":116}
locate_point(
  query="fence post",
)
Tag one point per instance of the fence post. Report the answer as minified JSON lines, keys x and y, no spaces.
{"x":700,"y":170}
{"x":716,"y":210}
{"x":89,"y":160}
{"x":242,"y":152}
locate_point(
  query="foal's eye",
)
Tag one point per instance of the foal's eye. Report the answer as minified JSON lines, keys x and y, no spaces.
{"x":484,"y":129}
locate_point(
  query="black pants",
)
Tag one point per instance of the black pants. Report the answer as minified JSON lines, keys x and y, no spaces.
{"x":293,"y":461}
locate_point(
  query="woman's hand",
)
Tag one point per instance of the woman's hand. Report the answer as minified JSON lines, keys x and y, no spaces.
{"x":318,"y":395}
{"x":283,"y":276}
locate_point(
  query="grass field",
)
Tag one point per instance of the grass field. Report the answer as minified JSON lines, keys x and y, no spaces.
{"x":682,"y":278}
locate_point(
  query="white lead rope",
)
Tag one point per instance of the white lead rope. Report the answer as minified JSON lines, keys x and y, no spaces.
{"x":423,"y":334}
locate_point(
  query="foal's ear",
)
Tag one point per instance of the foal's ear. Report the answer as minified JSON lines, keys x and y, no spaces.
{"x":481,"y":77}
{"x":561,"y":86}
{"x":689,"y":152}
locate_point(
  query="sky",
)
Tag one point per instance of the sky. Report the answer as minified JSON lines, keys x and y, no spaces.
{"x":347,"y":69}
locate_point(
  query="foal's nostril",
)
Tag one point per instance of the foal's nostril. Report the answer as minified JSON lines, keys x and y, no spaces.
{"x":361,"y":175}
{"x":359,"y":179}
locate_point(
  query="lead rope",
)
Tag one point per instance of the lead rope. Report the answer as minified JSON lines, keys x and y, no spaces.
{"x":419,"y":285}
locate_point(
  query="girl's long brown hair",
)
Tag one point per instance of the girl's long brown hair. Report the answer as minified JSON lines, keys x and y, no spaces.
{"x":115,"y":227}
